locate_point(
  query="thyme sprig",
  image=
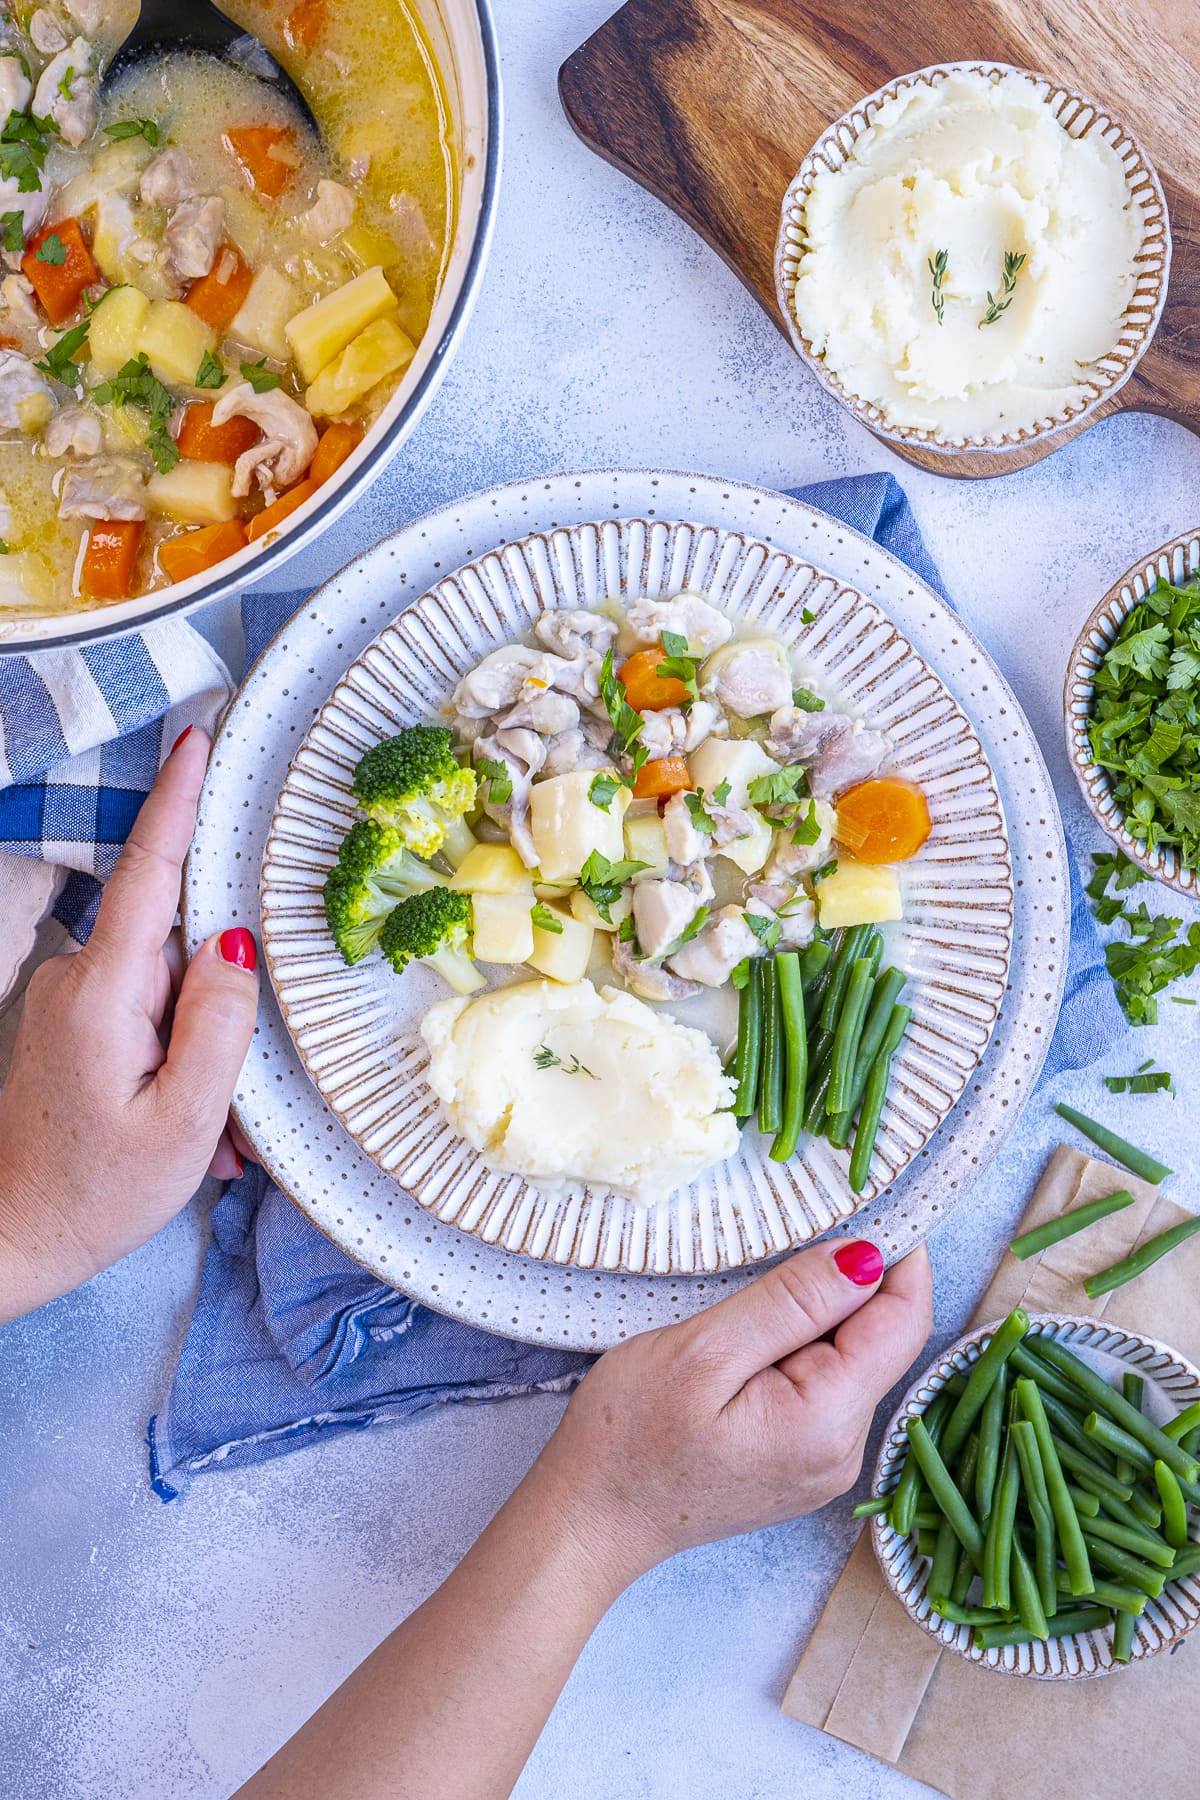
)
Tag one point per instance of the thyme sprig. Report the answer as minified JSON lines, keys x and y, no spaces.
{"x":998,"y":305}
{"x":937,"y":270}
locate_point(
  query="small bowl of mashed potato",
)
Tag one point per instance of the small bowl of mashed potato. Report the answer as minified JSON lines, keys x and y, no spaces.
{"x":973,"y":258}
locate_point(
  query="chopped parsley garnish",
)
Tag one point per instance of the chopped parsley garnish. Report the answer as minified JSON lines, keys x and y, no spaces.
{"x":808,"y":616}
{"x":602,"y":880}
{"x":259,"y":376}
{"x":64,"y":86}
{"x":131,"y":128}
{"x":58,"y":361}
{"x":23,"y":147}
{"x":136,"y":385}
{"x":806,"y":701}
{"x":1146,"y":1080}
{"x":778,"y":788}
{"x":211,"y":373}
{"x":678,"y":665}
{"x":1153,"y":957}
{"x":3,"y":546}
{"x":604,"y":786}
{"x":498,"y":778}
{"x":808,"y":830}
{"x":767,"y":931}
{"x":693,"y":928}
{"x":51,"y":250}
{"x":626,"y":723}
{"x":702,"y":819}
{"x":627,"y":931}
{"x":545,"y":1058}
{"x":12,"y":231}
{"x":796,"y":904}
{"x":720,"y":794}
{"x":544,"y":919}
{"x":825,"y":870}
{"x":741,"y":972}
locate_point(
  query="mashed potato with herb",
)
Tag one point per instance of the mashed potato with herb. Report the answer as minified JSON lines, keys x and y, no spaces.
{"x":970,"y":171}
{"x":561,"y":1083}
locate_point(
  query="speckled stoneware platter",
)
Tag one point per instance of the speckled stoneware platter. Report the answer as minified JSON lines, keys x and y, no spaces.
{"x":1172,"y":1383}
{"x":295,"y":1133}
{"x":1177,"y":562}
{"x":358,"y":1029}
{"x":1079,"y":116}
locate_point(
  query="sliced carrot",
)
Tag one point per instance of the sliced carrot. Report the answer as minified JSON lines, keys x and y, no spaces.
{"x":337,"y":443}
{"x":883,"y":821}
{"x":659,"y":780}
{"x":267,"y":155}
{"x":195,"y":551}
{"x":110,"y":557}
{"x":59,"y":285}
{"x":217,"y":297}
{"x":304,"y":24}
{"x":647,"y":690}
{"x":280,"y":509}
{"x":201,"y":441}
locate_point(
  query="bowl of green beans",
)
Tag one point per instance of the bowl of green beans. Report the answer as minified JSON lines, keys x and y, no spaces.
{"x":1036,"y":1503}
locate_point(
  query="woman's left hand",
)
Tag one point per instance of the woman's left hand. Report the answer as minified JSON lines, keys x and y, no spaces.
{"x":118,"y":1094}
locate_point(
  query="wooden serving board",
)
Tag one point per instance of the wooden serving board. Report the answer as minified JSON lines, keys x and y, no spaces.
{"x":713,"y":104}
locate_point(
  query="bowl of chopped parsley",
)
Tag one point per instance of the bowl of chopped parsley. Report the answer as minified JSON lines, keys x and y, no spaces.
{"x":1133,"y":714}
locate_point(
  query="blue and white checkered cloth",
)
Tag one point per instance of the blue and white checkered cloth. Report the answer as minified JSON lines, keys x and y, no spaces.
{"x":290,"y":1339}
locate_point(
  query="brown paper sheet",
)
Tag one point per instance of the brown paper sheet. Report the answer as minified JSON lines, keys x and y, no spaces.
{"x":872,"y":1678}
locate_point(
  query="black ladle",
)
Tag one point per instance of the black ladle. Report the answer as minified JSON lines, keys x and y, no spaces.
{"x":197,"y":25}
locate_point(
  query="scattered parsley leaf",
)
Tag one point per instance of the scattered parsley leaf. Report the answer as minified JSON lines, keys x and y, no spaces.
{"x":678,"y":665}
{"x":131,"y":128}
{"x":604,"y":786}
{"x":1152,"y":957}
{"x":702,"y":819}
{"x":544,"y":919}
{"x":545,"y":1058}
{"x":807,"y":701}
{"x":808,"y":830}
{"x":51,"y":250}
{"x":259,"y":376}
{"x":798,"y":901}
{"x":626,"y":723}
{"x":780,"y":788}
{"x":693,"y":928}
{"x":64,"y":86}
{"x":602,"y":880}
{"x":498,"y":778}
{"x":720,"y":794}
{"x":767,"y":931}
{"x":741,"y":972}
{"x":825,"y":870}
{"x":1146,"y":1081}
{"x":211,"y":373}
{"x":808,"y":617}
{"x":23,"y":148}
{"x":3,"y":546}
{"x":162,"y":447}
{"x":58,"y":361}
{"x":12,"y":231}
{"x":627,"y":931}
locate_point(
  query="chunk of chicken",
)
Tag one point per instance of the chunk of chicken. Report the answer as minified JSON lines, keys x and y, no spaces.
{"x":112,"y":488}
{"x":66,"y":92}
{"x":503,"y":677}
{"x":838,"y":752}
{"x":75,"y":431}
{"x":570,"y":750}
{"x":48,"y":38}
{"x":687,"y":615}
{"x":16,"y":298}
{"x":528,"y":748}
{"x":87,"y":14}
{"x":192,"y":236}
{"x":15,"y":86}
{"x":168,"y":179}
{"x":662,"y":912}
{"x":684,"y":843}
{"x":330,"y":213}
{"x":579,"y":676}
{"x":676,"y":733}
{"x":513,"y":815}
{"x":568,"y":633}
{"x":732,"y":822}
{"x":32,"y":208}
{"x":649,"y":981}
{"x":717,"y":948}
{"x":19,"y":384}
{"x":796,"y":735}
{"x":796,"y":926}
{"x":788,"y":860}
{"x":548,"y":712}
{"x":751,"y":680}
{"x":288,"y":441}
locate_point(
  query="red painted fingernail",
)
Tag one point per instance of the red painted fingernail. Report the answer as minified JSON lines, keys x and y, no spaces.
{"x":179,"y":739}
{"x":241,"y":1167}
{"x":237,"y":946}
{"x":860,"y":1263}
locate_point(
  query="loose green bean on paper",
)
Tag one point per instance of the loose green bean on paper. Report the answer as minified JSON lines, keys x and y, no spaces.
{"x":1141,"y":1259}
{"x":1031,"y":1243}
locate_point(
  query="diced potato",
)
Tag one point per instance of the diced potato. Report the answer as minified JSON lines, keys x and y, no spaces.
{"x":562,"y":955}
{"x":34,"y":411}
{"x":198,"y":493}
{"x":646,"y":841}
{"x":124,"y":427}
{"x":116,"y":169}
{"x":567,"y":828}
{"x":368,"y":248}
{"x":736,"y":761}
{"x":858,"y":894}
{"x":588,"y":913}
{"x":503,"y":927}
{"x":750,"y":853}
{"x":116,"y":329}
{"x":323,"y":330}
{"x":379,"y":351}
{"x":175,"y":339}
{"x":493,"y":869}
{"x":112,"y":231}
{"x":265,"y":312}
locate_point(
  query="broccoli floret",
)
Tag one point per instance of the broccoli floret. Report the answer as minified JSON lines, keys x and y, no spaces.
{"x":374,"y":869}
{"x":413,"y":783}
{"x":434,"y":928}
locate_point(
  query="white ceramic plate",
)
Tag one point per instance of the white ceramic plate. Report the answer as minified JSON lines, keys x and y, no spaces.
{"x":358,"y":1029}
{"x":1172,"y":1383}
{"x":293,"y":1131}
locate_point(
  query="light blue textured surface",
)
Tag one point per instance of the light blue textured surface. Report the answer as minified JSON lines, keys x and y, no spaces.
{"x":149,"y":1651}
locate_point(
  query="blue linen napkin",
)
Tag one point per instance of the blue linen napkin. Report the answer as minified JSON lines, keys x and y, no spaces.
{"x":291,"y":1339}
